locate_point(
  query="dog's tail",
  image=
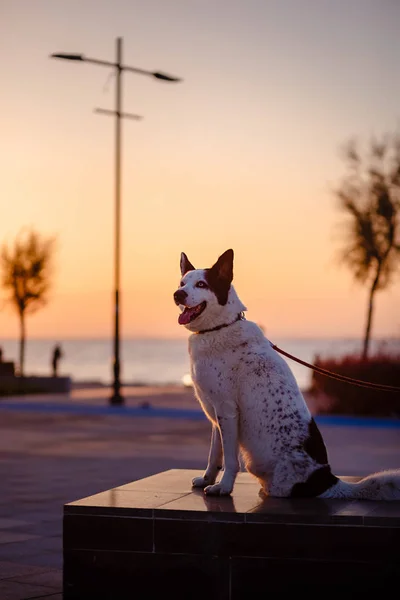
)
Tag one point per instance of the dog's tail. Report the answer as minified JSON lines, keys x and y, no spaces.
{"x":379,"y":486}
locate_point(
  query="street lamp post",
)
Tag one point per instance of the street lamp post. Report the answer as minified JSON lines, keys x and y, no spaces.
{"x":117,"y":397}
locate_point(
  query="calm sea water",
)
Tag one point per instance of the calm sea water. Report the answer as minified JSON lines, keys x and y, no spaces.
{"x":152,"y":361}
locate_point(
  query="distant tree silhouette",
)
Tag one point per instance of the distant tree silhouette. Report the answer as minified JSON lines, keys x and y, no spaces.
{"x":369,"y":194}
{"x":26,"y":275}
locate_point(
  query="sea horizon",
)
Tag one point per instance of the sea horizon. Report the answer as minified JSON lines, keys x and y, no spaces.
{"x":164,"y":361}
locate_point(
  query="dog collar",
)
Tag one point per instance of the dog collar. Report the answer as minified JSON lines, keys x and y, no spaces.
{"x":240,"y":317}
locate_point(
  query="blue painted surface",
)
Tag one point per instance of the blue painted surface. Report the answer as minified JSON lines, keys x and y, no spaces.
{"x":344,"y":420}
{"x":176,"y":413}
{"x":88,"y":409}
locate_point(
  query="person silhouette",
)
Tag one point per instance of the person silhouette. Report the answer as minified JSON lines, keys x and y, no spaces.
{"x":57,"y":354}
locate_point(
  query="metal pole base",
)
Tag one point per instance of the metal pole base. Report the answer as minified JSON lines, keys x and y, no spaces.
{"x":117,"y":399}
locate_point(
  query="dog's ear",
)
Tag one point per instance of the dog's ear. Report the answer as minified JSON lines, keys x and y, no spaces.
{"x":186,"y":265}
{"x":223,"y":268}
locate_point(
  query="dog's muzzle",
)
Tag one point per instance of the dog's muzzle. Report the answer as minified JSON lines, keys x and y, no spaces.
{"x":180,"y":297}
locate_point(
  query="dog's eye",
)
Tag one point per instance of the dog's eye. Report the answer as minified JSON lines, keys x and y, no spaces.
{"x":201,"y":284}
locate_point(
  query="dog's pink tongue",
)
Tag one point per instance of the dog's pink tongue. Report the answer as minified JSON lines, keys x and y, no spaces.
{"x":184,"y":317}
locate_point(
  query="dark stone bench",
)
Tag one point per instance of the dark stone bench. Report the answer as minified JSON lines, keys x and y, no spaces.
{"x":7,"y":368}
{"x":156,"y":538}
{"x":12,"y":385}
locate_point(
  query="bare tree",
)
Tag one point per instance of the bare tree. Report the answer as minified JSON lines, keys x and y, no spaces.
{"x":26,"y":275}
{"x":369,"y":194}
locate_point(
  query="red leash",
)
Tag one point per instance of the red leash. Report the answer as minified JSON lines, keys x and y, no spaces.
{"x":367,"y":384}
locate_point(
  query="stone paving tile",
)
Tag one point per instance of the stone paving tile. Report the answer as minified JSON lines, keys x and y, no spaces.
{"x":52,"y":560}
{"x":39,"y":516}
{"x":17,"y":551}
{"x":13,"y":590}
{"x":57,"y":596}
{"x":13,"y":569}
{"x":49,"y":597}
{"x":52,"y":543}
{"x":7,"y":537}
{"x":7,"y":523}
{"x":51,"y":579}
{"x":42,"y":528}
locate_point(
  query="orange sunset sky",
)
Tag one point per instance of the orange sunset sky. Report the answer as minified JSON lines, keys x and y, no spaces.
{"x":243,"y":154}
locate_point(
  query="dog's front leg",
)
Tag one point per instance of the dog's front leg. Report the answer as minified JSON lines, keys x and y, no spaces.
{"x":214,"y":461}
{"x":228,"y":427}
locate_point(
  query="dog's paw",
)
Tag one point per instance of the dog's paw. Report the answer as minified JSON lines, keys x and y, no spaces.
{"x":218,"y":489}
{"x":200,"y":482}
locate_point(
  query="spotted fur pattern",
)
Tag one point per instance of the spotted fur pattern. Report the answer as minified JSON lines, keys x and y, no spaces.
{"x":253,"y":402}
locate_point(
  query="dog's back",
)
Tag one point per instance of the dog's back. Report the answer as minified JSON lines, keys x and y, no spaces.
{"x":236,"y":372}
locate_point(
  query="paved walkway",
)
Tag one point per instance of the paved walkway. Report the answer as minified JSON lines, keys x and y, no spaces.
{"x":48,"y":459}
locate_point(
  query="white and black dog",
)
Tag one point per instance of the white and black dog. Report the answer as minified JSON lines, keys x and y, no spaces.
{"x":253,"y":401}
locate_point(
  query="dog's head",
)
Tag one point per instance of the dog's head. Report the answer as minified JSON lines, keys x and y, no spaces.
{"x":204,"y":294}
